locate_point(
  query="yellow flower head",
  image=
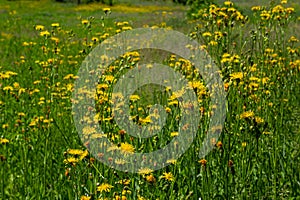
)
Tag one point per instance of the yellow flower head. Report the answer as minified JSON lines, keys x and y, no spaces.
{"x":106,"y":10}
{"x":256,"y":8}
{"x":71,"y":160}
{"x":39,"y":27}
{"x":236,"y":75}
{"x":289,"y":10}
{"x":75,"y":151}
{"x":203,"y":162}
{"x":150,"y":178}
{"x":228,"y":3}
{"x":134,"y":97}
{"x":84,"y":21}
{"x":55,"y":24}
{"x":95,"y":39}
{"x":145,"y":171}
{"x":293,"y":39}
{"x":247,"y":114}
{"x":283,"y":2}
{"x":206,"y":34}
{"x":4,"y":141}
{"x":45,"y":33}
{"x":127,"y":148}
{"x":85,"y":198}
{"x":104,"y":187}
{"x":167,"y":176}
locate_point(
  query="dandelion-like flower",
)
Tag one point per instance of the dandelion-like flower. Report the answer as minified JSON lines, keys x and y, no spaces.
{"x":150,"y":178}
{"x":85,"y":198}
{"x":167,"y":176}
{"x":145,"y":171}
{"x":247,"y":114}
{"x":39,"y":27}
{"x":104,"y":187}
{"x":236,"y":75}
{"x":55,"y":24}
{"x":202,"y":162}
{"x":106,"y":10}
{"x":127,"y":148}
{"x":84,"y":21}
{"x":45,"y":33}
{"x":4,"y":141}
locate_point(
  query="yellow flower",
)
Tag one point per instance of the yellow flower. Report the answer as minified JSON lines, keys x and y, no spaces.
{"x":71,"y":160}
{"x":172,"y":161}
{"x":134,"y":97}
{"x":168,"y":110}
{"x":150,"y":178}
{"x":69,"y":76}
{"x":206,"y":34}
{"x":55,"y":24}
{"x":236,"y":75}
{"x":109,"y":78}
{"x":120,"y":198}
{"x":247,"y":114}
{"x":175,"y":102}
{"x":202,"y":162}
{"x":145,"y":171}
{"x":218,"y":35}
{"x":95,"y":39}
{"x":124,"y":182}
{"x":177,"y":94}
{"x":5,"y":126}
{"x":127,"y":148}
{"x":278,"y":9}
{"x":289,"y":10}
{"x":119,"y":23}
{"x":104,"y":187}
{"x":44,"y":33}
{"x":173,"y":134}
{"x":75,"y":151}
{"x":219,"y":144}
{"x":267,"y":133}
{"x":259,"y":120}
{"x":145,"y":120}
{"x":141,"y":198}
{"x":4,"y":141}
{"x":256,"y":8}
{"x":55,"y":39}
{"x":39,"y":27}
{"x":293,"y":39}
{"x":265,"y":15}
{"x":253,"y":85}
{"x":213,"y":43}
{"x":85,"y":198}
{"x":126,"y":28}
{"x":106,"y":10}
{"x":228,"y":3}
{"x":88,"y":130}
{"x":16,"y":85}
{"x":84,"y":21}
{"x":167,"y":176}
{"x":8,"y":88}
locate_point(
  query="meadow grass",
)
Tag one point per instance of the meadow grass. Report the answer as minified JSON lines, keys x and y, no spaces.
{"x":42,"y":45}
